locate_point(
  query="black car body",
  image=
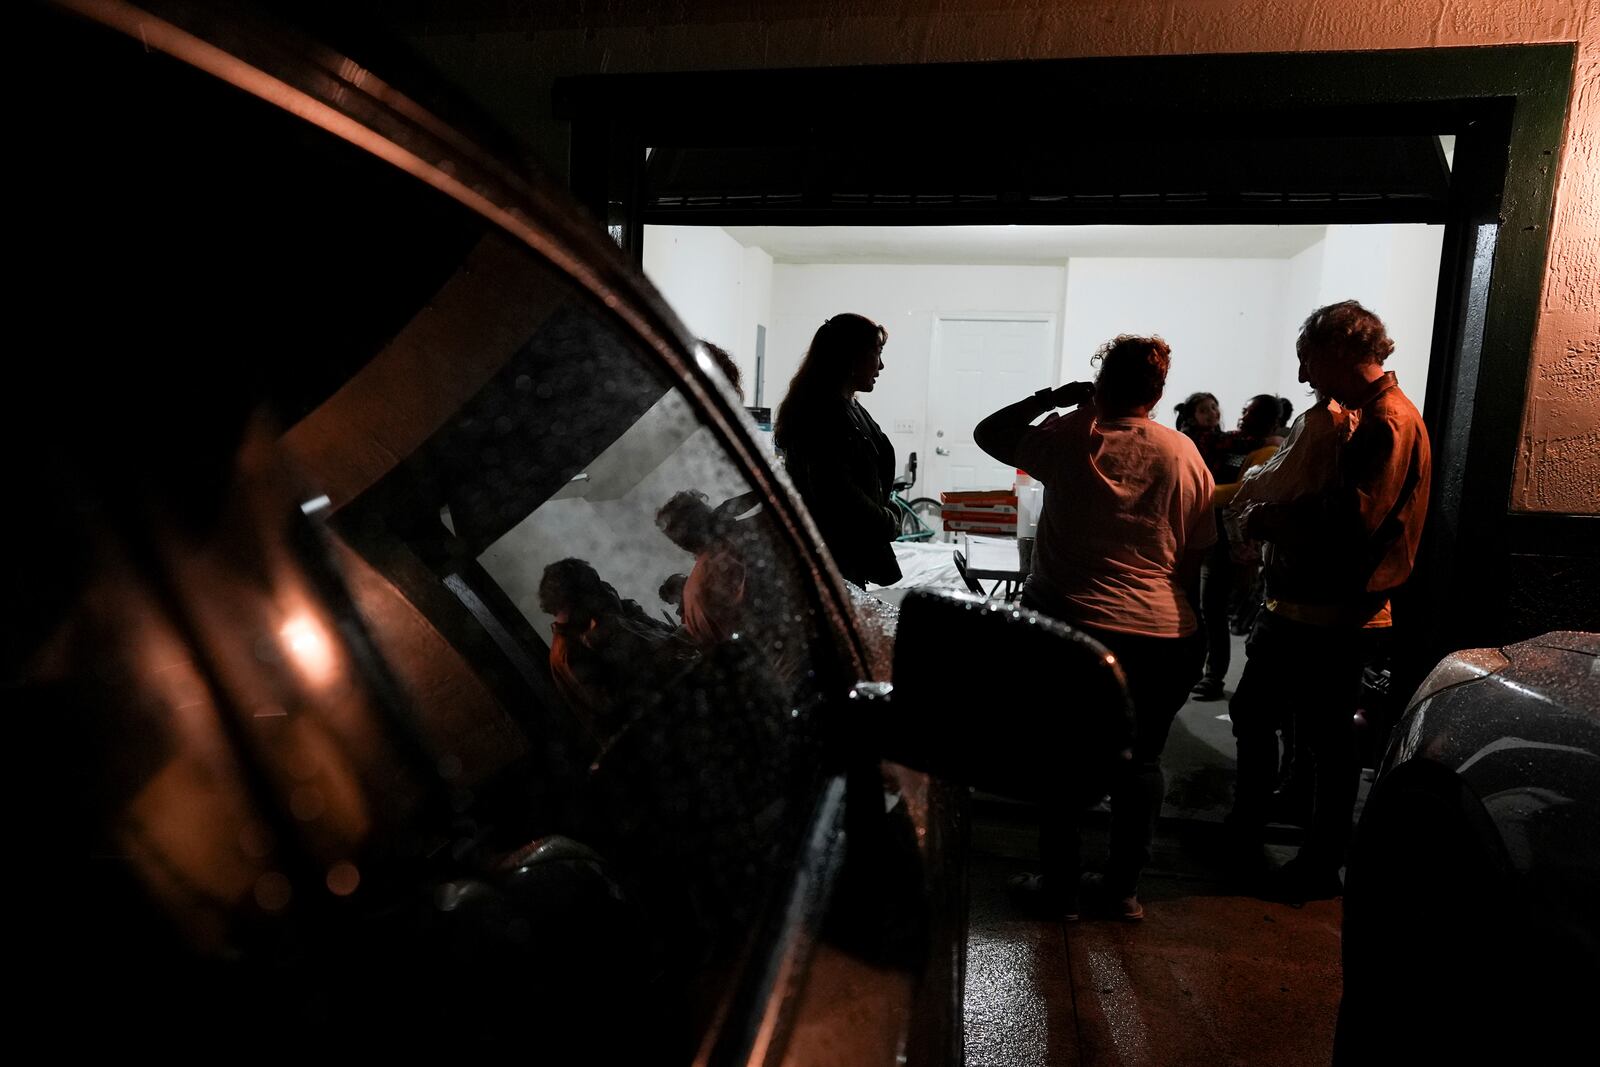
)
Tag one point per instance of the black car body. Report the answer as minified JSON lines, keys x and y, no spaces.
{"x":349,"y":719}
{"x":1472,"y":903}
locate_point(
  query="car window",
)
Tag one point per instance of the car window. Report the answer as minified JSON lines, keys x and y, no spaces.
{"x":392,"y":614}
{"x":580,"y":544}
{"x":576,"y":529}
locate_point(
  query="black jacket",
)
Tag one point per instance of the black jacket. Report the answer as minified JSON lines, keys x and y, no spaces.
{"x":843,"y":465}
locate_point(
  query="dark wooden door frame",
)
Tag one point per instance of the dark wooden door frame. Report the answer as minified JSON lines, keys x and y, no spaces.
{"x":1487,"y":572}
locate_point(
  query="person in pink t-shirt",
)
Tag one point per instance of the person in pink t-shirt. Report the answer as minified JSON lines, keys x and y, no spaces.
{"x":1127,"y":519}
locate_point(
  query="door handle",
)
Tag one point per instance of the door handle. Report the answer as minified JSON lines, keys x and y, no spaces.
{"x":940,"y":450}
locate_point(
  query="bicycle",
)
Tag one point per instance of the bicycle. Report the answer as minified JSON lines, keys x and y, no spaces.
{"x":916,"y":515}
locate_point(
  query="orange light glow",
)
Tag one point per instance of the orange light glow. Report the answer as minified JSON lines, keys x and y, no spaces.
{"x":309,"y":647}
{"x":343,"y":878}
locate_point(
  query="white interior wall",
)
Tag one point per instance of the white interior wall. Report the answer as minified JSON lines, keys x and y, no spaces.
{"x":1302,"y":295}
{"x":906,"y":299}
{"x":720,"y":289}
{"x":755,"y":310}
{"x":1221,"y":317}
{"x":1394,"y":272}
{"x":1232,"y":321}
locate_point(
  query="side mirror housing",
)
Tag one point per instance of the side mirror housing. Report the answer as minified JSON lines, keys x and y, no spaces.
{"x":1001,"y":698}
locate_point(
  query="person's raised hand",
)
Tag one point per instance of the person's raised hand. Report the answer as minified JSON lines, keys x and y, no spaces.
{"x":1072,"y":394}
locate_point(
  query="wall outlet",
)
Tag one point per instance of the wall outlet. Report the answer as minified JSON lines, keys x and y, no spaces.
{"x":905,"y":425}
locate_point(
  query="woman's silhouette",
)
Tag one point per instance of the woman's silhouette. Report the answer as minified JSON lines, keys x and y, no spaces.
{"x":838,"y":458}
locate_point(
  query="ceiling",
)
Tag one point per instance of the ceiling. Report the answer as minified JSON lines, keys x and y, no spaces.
{"x":1021,"y":244}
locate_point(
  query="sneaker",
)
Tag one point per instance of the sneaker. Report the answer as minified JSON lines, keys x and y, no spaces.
{"x":1029,"y":892}
{"x":1207,"y":689}
{"x":1103,"y":901}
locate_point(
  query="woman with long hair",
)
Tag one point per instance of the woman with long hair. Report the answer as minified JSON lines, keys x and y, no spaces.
{"x":840,"y":461}
{"x":1222,"y":582}
{"x":1200,"y":420}
{"x":1199,"y":413}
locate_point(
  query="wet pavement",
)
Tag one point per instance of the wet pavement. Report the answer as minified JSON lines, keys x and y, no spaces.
{"x":1210,"y":977}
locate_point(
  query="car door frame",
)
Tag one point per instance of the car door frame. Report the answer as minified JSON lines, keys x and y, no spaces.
{"x":286,"y":69}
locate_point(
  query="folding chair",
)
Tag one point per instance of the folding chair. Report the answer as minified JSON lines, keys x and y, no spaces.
{"x":972,"y":583}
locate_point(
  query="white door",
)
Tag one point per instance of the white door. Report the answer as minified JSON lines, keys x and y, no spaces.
{"x":978,"y":366}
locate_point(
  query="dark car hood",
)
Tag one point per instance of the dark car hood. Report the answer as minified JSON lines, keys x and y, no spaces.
{"x":1526,"y":740}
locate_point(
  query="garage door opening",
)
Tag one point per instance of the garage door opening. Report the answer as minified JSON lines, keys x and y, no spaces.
{"x":1458,"y":139}
{"x":981,"y":315}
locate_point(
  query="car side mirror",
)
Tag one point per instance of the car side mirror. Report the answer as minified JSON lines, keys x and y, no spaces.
{"x":998,"y":697}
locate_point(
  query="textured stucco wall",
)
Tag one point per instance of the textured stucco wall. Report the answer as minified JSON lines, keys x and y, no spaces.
{"x":1558,"y":467}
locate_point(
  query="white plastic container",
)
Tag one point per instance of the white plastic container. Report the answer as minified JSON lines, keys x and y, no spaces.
{"x":1030,"y":499}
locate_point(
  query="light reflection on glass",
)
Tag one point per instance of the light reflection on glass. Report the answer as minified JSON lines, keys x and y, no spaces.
{"x":273,"y":891}
{"x":343,"y":878}
{"x":309,"y":647}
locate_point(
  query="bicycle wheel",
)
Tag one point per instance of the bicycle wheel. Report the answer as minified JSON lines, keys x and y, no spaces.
{"x":929,"y":514}
{"x":911,"y":528}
